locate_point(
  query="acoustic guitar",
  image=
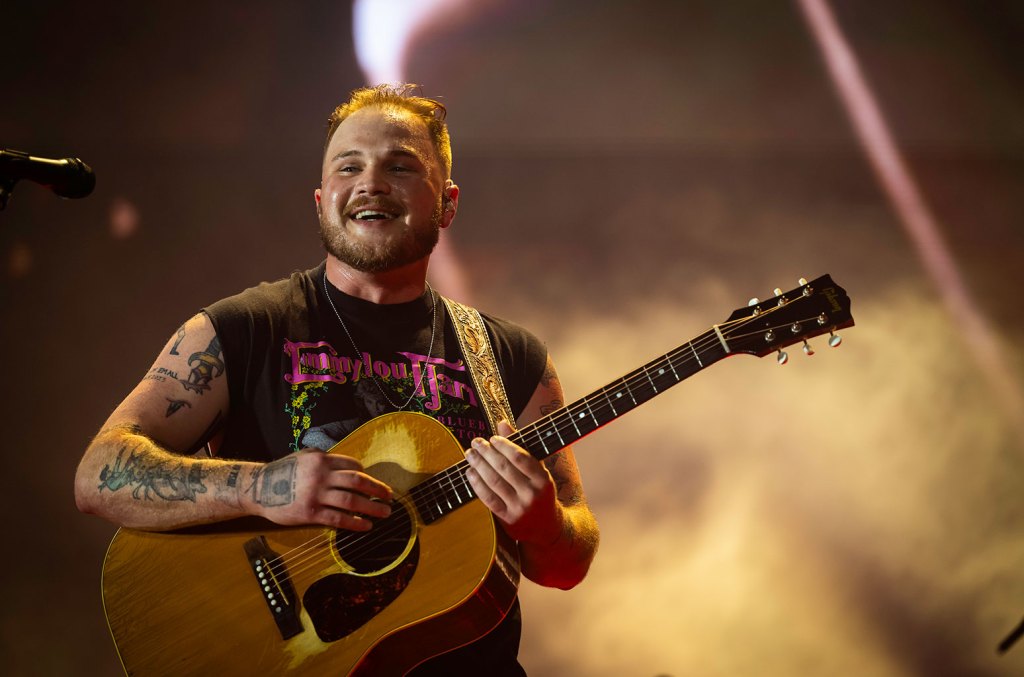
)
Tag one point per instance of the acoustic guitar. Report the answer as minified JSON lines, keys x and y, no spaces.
{"x":255,"y":598}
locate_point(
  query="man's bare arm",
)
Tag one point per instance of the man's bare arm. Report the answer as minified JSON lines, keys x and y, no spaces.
{"x":540,"y":504}
{"x":136,"y":472}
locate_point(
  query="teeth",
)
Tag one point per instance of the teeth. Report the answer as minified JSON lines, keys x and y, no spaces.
{"x":371,"y":214}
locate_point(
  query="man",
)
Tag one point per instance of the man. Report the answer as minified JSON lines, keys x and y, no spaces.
{"x":285,"y":369}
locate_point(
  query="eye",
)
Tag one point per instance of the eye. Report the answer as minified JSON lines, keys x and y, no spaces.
{"x":348,"y":169}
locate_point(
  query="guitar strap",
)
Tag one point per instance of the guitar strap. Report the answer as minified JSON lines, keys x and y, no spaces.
{"x":481,"y":363}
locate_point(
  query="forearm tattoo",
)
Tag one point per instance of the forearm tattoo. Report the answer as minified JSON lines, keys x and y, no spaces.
{"x":274,"y":484}
{"x":149,"y":477}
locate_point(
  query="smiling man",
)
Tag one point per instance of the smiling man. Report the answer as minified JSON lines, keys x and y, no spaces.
{"x":274,"y":376}
{"x":385,"y":192}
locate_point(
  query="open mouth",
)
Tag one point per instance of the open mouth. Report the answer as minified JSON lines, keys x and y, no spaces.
{"x":372,"y":215}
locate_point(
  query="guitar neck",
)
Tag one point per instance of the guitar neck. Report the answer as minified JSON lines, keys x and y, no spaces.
{"x":812,"y":309}
{"x":576,"y":420}
{"x":450,"y":489}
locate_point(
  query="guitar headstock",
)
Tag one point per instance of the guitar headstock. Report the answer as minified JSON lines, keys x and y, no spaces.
{"x":812,"y":309}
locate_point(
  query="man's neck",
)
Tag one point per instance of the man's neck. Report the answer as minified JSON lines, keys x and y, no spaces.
{"x":393,"y":286}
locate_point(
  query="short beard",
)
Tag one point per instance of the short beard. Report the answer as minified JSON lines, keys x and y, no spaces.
{"x":407,"y":247}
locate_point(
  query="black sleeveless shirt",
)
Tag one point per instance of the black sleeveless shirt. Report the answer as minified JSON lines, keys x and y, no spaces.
{"x":296,"y":380}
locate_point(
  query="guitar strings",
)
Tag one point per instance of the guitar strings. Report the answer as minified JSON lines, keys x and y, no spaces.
{"x":429,"y":491}
{"x":435,"y":491}
{"x":432,"y":489}
{"x":433,"y":486}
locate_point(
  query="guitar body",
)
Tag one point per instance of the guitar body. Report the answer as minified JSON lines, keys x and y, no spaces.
{"x":179,"y":600}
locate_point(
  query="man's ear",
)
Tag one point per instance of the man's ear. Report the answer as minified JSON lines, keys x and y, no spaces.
{"x":316,"y":197}
{"x":449,"y":203}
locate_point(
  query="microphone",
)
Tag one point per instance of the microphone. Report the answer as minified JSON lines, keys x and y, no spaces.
{"x":69,"y":177}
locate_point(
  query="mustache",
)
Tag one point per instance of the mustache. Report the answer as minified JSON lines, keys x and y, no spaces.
{"x":375,"y":203}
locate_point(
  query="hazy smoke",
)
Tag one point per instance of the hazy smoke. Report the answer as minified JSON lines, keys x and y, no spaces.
{"x":819,"y":518}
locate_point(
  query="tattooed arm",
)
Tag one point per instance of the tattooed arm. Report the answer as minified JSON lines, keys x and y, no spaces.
{"x":131,"y":479}
{"x":539,"y":504}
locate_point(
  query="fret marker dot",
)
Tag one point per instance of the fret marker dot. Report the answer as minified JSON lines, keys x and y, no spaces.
{"x":582,"y":415}
{"x":618,"y":394}
{"x":660,"y":372}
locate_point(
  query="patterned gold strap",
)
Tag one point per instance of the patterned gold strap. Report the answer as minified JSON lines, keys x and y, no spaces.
{"x":483,"y":367}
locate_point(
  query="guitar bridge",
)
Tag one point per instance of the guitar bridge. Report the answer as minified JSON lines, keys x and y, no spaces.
{"x":275,"y":586}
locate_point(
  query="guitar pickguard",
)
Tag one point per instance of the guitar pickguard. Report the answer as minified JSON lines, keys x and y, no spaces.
{"x":340,"y":604}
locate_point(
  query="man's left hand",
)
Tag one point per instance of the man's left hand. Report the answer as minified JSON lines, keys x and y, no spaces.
{"x":516,"y":487}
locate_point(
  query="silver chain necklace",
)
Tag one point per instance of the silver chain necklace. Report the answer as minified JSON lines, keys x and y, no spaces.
{"x":430,"y":350}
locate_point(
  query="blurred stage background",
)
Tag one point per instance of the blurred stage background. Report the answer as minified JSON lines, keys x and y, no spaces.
{"x":631,"y":172}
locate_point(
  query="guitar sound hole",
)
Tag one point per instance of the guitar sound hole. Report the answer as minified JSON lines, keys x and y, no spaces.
{"x":380,"y":548}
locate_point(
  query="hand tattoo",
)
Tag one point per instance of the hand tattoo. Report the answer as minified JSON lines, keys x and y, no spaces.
{"x":274,"y":484}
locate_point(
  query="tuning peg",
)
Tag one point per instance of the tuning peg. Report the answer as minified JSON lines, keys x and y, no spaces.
{"x":802,"y":281}
{"x":777,"y":291}
{"x":753,"y":302}
{"x":783,"y":357}
{"x":808,"y":350}
{"x":834,"y":340}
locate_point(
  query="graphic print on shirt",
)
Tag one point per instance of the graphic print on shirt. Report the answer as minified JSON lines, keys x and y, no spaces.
{"x":300,"y":407}
{"x":439,"y":388}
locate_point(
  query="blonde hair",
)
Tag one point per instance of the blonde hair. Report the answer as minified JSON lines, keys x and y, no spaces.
{"x":401,"y":97}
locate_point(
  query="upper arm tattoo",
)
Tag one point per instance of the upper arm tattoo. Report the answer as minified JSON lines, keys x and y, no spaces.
{"x":160,"y":374}
{"x":552,"y":406}
{"x":175,"y":405}
{"x":549,"y":378}
{"x":567,"y":485}
{"x":549,"y":381}
{"x":566,"y":482}
{"x":181,"y":336}
{"x":206,"y":366}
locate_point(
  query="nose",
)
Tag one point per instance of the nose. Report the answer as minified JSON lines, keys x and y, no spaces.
{"x":373,"y":181}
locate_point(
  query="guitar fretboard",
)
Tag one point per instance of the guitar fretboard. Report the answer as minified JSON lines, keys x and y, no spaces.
{"x":449,"y":489}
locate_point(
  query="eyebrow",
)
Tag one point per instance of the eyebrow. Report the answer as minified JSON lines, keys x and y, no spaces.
{"x":394,"y":151}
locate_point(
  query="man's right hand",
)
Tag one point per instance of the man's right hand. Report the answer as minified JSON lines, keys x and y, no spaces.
{"x":313,"y":487}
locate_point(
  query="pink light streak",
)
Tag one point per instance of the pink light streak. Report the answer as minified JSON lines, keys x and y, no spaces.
{"x":899,"y":185}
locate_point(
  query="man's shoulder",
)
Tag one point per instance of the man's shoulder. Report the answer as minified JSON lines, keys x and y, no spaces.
{"x":502,"y":327}
{"x":268,"y":299}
